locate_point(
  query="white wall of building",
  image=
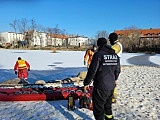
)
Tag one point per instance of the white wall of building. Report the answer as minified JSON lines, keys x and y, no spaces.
{"x":39,"y":38}
{"x":75,"y":41}
{"x":5,"y":36}
{"x":42,"y":39}
{"x":11,"y":37}
{"x":57,"y":41}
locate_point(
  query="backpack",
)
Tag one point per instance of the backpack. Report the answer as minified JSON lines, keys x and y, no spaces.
{"x":85,"y":101}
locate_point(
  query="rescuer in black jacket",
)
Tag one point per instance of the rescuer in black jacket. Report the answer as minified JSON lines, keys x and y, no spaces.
{"x":104,"y":71}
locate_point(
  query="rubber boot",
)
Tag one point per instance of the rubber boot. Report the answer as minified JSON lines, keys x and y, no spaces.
{"x":26,"y":81}
{"x":71,"y":103}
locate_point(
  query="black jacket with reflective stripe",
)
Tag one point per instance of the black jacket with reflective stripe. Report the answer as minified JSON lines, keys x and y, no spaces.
{"x":104,"y":69}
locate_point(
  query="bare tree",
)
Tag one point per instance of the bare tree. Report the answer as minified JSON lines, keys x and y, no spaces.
{"x":23,"y":25}
{"x":55,"y":32}
{"x":131,"y":28}
{"x":134,"y":34}
{"x":49,"y":33}
{"x":131,"y":38}
{"x":102,"y":33}
{"x":33,"y":24}
{"x":63,"y":34}
{"x":29,"y":30}
{"x":14,"y":25}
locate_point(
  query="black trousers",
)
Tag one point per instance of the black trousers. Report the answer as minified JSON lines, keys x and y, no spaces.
{"x":102,"y":103}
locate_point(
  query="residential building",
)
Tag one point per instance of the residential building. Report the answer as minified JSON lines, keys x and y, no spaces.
{"x":57,"y":40}
{"x":77,"y":40}
{"x":143,"y":35}
{"x":143,"y":32}
{"x":44,"y":39}
{"x":10,"y":38}
{"x":41,"y":39}
{"x":36,"y":38}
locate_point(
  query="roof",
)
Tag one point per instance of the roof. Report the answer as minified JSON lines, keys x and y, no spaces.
{"x":142,"y":31}
{"x":30,"y":31}
{"x":58,"y":36}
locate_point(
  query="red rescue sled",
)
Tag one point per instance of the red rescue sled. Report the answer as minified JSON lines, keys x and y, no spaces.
{"x":35,"y":94}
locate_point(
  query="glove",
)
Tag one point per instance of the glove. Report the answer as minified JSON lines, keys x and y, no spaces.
{"x":86,"y":88}
{"x":84,"y":62}
{"x":15,"y":72}
{"x":28,"y":69}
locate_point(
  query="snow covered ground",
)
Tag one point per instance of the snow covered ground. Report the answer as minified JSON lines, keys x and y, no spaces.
{"x":138,"y":87}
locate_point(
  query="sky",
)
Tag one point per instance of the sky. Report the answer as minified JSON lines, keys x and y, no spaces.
{"x":82,"y":17}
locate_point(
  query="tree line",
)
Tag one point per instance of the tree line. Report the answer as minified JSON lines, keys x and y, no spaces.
{"x":132,"y":42}
{"x":23,"y":25}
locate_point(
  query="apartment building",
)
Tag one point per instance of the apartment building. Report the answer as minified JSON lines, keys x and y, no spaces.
{"x":44,"y":39}
{"x":143,"y":32}
{"x":77,"y":40}
{"x":8,"y":38}
{"x":143,"y":35}
{"x":35,"y":38}
{"x":57,"y":40}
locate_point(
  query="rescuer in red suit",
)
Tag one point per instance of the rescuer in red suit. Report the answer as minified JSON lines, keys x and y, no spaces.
{"x":21,"y":68}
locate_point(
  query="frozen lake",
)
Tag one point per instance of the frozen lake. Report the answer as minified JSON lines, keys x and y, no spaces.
{"x":47,"y":66}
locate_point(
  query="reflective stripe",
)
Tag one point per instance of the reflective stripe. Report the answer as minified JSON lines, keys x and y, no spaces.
{"x":121,"y":49}
{"x":22,"y":64}
{"x":109,"y":116}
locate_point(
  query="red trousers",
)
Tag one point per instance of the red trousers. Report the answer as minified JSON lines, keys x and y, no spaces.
{"x":23,"y":74}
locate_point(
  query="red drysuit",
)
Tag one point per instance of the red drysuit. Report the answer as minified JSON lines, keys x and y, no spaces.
{"x":22,"y":67}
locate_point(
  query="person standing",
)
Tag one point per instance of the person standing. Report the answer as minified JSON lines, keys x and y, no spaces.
{"x":115,"y":44}
{"x":21,"y":68}
{"x":103,"y":70}
{"x":88,"y":55}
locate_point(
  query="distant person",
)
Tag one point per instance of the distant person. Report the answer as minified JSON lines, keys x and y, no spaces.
{"x":116,"y":45}
{"x":21,"y":68}
{"x":89,"y":54}
{"x":104,"y":70}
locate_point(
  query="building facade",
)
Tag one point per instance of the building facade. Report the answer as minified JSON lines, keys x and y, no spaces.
{"x":78,"y":40}
{"x":57,"y":40}
{"x":36,"y":38}
{"x":10,"y":38}
{"x":143,"y":32}
{"x":145,"y":37}
{"x":43,"y":39}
